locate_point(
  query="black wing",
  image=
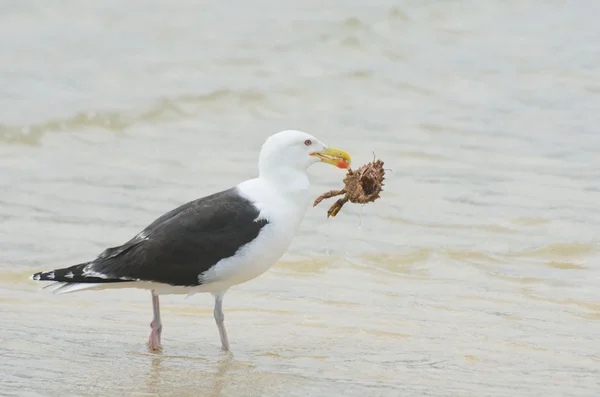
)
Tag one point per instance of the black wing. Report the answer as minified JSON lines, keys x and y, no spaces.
{"x":176,"y":247}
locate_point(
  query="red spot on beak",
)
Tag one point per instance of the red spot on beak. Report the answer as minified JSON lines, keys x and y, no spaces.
{"x":342,"y":164}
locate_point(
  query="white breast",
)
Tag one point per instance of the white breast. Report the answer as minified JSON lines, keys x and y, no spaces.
{"x":284,"y":212}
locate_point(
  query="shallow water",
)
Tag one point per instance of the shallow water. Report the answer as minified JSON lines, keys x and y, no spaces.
{"x":476,"y":274}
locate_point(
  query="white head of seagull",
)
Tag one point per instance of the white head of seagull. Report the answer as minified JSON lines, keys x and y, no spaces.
{"x":215,"y":242}
{"x":287,"y":155}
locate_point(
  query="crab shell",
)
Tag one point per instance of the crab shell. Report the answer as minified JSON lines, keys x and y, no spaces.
{"x":365,"y":184}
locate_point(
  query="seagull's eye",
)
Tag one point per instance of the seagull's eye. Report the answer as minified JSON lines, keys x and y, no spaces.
{"x":308,"y":142}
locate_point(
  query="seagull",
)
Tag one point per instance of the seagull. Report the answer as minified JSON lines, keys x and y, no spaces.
{"x":215,"y":242}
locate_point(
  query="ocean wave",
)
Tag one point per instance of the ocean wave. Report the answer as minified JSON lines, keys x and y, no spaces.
{"x":166,"y":109}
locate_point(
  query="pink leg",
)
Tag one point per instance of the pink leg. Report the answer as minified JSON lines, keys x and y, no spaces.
{"x":156,"y":325}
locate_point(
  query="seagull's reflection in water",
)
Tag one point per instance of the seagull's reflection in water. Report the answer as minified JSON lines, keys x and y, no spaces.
{"x":162,"y":377}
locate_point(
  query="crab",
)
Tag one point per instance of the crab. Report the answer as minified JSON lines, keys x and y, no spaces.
{"x":361,"y":186}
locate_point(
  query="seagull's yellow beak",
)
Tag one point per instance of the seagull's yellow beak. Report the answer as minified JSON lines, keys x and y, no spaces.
{"x":334,"y":156}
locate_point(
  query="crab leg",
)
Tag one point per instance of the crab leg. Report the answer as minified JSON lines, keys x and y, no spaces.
{"x":329,"y":194}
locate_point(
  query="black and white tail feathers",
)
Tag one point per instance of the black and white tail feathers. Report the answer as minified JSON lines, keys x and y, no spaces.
{"x":73,"y":278}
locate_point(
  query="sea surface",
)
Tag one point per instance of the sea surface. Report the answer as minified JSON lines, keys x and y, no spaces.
{"x":476,"y":274}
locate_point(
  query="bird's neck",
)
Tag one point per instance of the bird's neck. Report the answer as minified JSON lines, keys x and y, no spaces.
{"x":281,"y":196}
{"x":287,"y":180}
{"x":289,"y":184}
